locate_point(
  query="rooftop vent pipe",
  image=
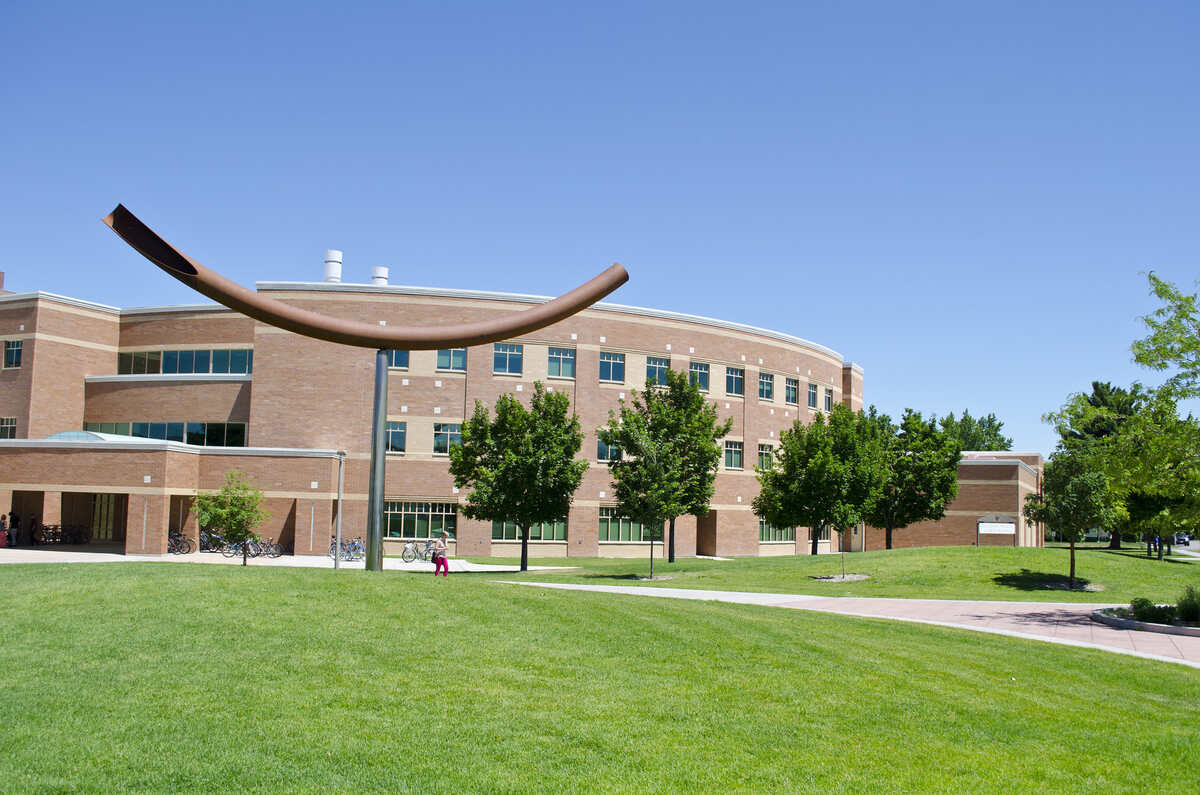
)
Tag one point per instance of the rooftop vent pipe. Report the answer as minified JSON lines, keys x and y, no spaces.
{"x":333,"y":265}
{"x":379,"y":275}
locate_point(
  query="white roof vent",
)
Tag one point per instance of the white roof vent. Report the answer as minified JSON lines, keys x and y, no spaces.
{"x":379,"y":275}
{"x":333,"y":265}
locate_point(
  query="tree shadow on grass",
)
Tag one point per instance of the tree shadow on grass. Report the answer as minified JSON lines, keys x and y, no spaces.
{"x":1140,"y":554}
{"x":1026,"y":580}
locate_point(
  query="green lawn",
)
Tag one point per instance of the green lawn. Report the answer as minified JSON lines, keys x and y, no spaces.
{"x":993,"y":573}
{"x":166,"y":676}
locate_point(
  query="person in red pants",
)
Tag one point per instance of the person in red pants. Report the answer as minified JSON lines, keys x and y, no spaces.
{"x":439,"y":556}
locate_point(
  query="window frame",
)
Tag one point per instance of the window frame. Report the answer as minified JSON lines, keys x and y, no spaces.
{"x":737,"y":449}
{"x":394,"y":358}
{"x":660,"y":365}
{"x":510,"y":351}
{"x":828,"y":399}
{"x":443,"y":429}
{"x":812,"y":396}
{"x":8,"y":427}
{"x":791,"y":391}
{"x":617,"y":361}
{"x":450,"y":358}
{"x":700,"y":375}
{"x":735,"y":377}
{"x":564,"y":356}
{"x":13,"y":350}
{"x":769,"y":451}
{"x":766,"y":380}
{"x":394,"y":429}
{"x":613,"y":451}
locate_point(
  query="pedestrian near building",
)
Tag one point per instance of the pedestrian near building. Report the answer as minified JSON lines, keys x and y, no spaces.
{"x":439,"y":556}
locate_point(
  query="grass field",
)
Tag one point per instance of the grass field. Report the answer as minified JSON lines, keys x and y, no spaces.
{"x":992,"y":573}
{"x":166,"y":676}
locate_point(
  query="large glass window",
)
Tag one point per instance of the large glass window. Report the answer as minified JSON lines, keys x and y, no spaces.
{"x":766,"y":455}
{"x":791,"y":391}
{"x":698,"y":375}
{"x":614,"y":527}
{"x":561,"y":362}
{"x":766,"y":386}
{"x":445,"y":437}
{"x":395,"y":435}
{"x":768,"y":533}
{"x":420,"y":519}
{"x":452,"y":359}
{"x":507,"y":358}
{"x":218,"y":361}
{"x":542,"y":531}
{"x":656,"y":369}
{"x":828,"y":399}
{"x":203,"y":434}
{"x":398,"y":359}
{"x":8,"y":427}
{"x":812,"y":396}
{"x":612,"y":367}
{"x":735,"y":380}
{"x":733,"y":455}
{"x":12,"y":353}
{"x":607,"y":452}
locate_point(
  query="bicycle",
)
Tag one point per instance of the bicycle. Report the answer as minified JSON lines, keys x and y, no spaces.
{"x":351,"y":550}
{"x":411,"y":553}
{"x":178,"y":544}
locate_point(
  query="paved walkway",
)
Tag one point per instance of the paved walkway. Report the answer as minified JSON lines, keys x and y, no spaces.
{"x":1055,"y":622}
{"x":83,"y":555}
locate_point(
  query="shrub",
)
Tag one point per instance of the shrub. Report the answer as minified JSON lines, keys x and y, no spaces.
{"x":1188,"y":608}
{"x":1145,"y":610}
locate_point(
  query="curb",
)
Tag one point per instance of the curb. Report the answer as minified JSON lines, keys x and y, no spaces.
{"x":1143,"y":626}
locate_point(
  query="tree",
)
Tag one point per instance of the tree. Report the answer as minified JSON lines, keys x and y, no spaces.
{"x":668,"y":433}
{"x":972,"y":433}
{"x":1074,"y":498}
{"x":236,"y":510}
{"x":824,"y":474}
{"x":1174,"y":339}
{"x":919,"y":476}
{"x":521,"y":467}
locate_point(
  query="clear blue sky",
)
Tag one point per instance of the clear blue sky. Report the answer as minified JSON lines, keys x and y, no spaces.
{"x":961,"y":197}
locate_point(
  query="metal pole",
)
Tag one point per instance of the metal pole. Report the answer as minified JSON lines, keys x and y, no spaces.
{"x":375,"y":495}
{"x":338,"y":532}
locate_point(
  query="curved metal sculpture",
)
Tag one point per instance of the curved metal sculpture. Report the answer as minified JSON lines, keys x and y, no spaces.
{"x":352,"y":332}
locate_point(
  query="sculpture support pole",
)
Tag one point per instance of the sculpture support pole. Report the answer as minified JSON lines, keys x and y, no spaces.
{"x":378,"y":446}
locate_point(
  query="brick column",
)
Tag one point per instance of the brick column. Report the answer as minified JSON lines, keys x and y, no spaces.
{"x":314,"y":526}
{"x":146,"y":524}
{"x":51,"y":507}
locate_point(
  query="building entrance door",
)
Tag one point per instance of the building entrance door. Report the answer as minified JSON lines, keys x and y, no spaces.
{"x":108,"y":518}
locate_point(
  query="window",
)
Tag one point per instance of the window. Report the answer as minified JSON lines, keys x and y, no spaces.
{"x":506,"y":358}
{"x":398,"y":359}
{"x":698,"y":375}
{"x":612,"y":367}
{"x":812,"y":396}
{"x":452,"y":359}
{"x":12,"y":353}
{"x":791,"y":391}
{"x":822,"y":534}
{"x":395,"y":437}
{"x":419,"y":519}
{"x":541,"y":531}
{"x":222,"y":361}
{"x":828,"y":399}
{"x":203,"y":434}
{"x":766,"y":454}
{"x":733,"y":455}
{"x":607,"y":452}
{"x":735,"y":380}
{"x":8,"y":427}
{"x":656,"y":369}
{"x":768,"y":533}
{"x":562,"y":362}
{"x":766,"y":386}
{"x":614,"y":527}
{"x":445,"y":437}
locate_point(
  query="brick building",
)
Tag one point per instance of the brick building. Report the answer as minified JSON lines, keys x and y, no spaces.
{"x":113,"y":418}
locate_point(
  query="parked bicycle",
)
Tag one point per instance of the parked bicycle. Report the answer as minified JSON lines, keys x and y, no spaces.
{"x":351,"y":550}
{"x":411,"y":552}
{"x":211,"y":541}
{"x":178,"y":543}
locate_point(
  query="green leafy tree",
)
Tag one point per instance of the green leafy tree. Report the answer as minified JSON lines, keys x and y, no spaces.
{"x":976,"y":433}
{"x":236,"y":510}
{"x":824,"y":474}
{"x":1174,"y":339}
{"x":521,"y":466}
{"x":1074,"y":498}
{"x":670,"y":439}
{"x":919,"y":471}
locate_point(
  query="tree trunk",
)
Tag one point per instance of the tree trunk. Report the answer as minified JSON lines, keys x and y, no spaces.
{"x":671,"y":542}
{"x":652,"y":558}
{"x":814,"y":532}
{"x":525,"y":548}
{"x":1158,"y":546}
{"x":1114,"y":540}
{"x":1149,"y":544}
{"x":245,"y":550}
{"x":889,"y":534}
{"x":1071,"y":576}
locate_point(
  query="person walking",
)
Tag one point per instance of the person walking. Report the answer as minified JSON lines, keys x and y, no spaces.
{"x":439,"y":556}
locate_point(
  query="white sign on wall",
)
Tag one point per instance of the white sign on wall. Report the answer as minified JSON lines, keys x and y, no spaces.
{"x":997,"y":528}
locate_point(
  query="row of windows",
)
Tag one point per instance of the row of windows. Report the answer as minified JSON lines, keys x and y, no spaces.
{"x":222,"y":361}
{"x":420,"y":519}
{"x":734,"y":455}
{"x":542,"y":531}
{"x":508,"y":359}
{"x":205,"y":434}
{"x":445,"y":436}
{"x":12,"y":353}
{"x":768,"y":533}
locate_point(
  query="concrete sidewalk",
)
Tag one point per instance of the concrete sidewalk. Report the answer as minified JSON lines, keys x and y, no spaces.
{"x":1055,"y":622}
{"x":82,"y":555}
